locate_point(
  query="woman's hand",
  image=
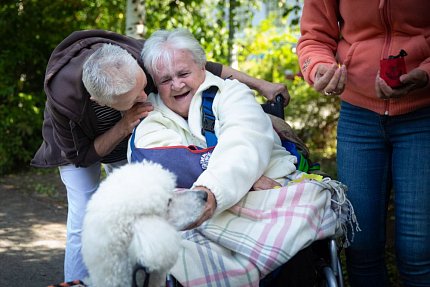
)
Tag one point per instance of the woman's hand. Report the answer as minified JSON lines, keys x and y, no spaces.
{"x":271,"y":90}
{"x":267,"y":89}
{"x":330,"y":80}
{"x":106,"y":142}
{"x":414,"y":80}
{"x":209,"y":209}
{"x":133,"y":116}
{"x":265,"y":182}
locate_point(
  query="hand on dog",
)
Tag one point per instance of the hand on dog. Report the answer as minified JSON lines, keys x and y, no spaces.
{"x":209,"y":209}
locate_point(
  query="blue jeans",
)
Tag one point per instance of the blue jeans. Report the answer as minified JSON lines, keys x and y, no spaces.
{"x":377,"y":154}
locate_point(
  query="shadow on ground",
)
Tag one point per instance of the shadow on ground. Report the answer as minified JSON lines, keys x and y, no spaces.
{"x":32,"y":230}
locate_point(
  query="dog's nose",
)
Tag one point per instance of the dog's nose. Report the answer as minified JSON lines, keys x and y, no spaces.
{"x":203,"y":195}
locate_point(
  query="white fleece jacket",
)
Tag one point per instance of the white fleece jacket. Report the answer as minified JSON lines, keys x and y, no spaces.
{"x":247,"y":145}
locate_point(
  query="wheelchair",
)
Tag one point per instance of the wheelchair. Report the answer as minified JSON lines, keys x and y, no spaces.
{"x":317,"y":265}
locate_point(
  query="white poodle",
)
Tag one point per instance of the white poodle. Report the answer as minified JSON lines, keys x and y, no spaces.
{"x":133,"y":219}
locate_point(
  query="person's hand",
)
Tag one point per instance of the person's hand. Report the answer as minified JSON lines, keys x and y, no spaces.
{"x":415,"y":79}
{"x":330,"y":80}
{"x":271,"y":90}
{"x":265,"y":182}
{"x":133,"y":116}
{"x":209,"y":210}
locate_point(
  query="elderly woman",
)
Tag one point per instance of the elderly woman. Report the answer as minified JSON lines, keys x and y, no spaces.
{"x":247,"y":145}
{"x":241,"y":236}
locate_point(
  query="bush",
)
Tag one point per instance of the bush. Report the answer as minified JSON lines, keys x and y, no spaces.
{"x":30,"y":30}
{"x":20,"y":131}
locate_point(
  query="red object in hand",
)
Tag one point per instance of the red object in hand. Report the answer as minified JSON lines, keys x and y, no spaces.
{"x":392,"y":68}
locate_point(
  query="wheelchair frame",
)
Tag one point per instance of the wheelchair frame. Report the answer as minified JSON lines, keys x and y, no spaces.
{"x":328,"y":268}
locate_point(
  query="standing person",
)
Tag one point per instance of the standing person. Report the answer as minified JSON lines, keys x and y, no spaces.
{"x":90,"y":113}
{"x":383,"y":134}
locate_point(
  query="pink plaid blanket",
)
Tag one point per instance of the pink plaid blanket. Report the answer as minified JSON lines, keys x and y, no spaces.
{"x":263,"y":231}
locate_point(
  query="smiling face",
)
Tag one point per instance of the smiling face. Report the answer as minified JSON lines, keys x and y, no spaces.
{"x":178,"y":81}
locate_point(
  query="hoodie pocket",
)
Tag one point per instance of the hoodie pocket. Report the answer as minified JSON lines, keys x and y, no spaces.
{"x":362,"y":62}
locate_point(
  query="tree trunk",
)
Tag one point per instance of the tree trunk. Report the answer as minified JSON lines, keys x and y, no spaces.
{"x":135,"y":19}
{"x":231,"y":29}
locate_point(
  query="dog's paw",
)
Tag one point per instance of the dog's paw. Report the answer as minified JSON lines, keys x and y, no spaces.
{"x":186,"y":207}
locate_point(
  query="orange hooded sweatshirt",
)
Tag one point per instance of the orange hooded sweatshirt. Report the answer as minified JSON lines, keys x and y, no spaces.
{"x":360,"y":33}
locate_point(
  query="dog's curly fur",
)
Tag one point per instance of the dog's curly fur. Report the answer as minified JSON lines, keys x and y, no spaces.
{"x":127,"y":223}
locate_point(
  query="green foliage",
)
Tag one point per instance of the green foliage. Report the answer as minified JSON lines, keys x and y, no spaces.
{"x":21,"y":123}
{"x":269,"y":52}
{"x":212,"y":22}
{"x":314,"y":117}
{"x":30,"y":30}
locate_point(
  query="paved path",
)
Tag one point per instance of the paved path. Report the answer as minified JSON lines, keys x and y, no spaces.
{"x":32,"y":237}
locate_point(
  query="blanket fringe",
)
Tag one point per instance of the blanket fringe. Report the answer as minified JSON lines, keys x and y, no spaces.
{"x":346,"y":218}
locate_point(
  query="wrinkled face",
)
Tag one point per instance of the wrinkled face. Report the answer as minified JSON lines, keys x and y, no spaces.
{"x":136,"y":95}
{"x":177,"y":82}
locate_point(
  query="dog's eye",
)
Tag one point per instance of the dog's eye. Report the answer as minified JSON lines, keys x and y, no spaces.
{"x":170,"y":201}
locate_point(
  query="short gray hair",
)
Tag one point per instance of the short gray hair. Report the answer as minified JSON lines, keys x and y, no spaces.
{"x":162,"y":43}
{"x":109,"y":72}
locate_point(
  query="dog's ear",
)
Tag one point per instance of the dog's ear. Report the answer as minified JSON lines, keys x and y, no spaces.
{"x":155,"y":244}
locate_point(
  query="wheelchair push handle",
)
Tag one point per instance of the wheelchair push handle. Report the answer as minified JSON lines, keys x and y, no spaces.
{"x":276,"y":107}
{"x":279,"y":99}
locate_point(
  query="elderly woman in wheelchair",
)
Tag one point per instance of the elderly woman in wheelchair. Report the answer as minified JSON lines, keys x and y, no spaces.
{"x":216,"y":138}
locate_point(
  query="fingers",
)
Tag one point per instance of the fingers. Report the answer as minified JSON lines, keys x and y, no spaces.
{"x":139,"y":111}
{"x":209,"y":209}
{"x":142,"y":107}
{"x":135,"y":114}
{"x":337,"y":82}
{"x":275,"y":89}
{"x":282,"y":89}
{"x":383,"y":91}
{"x":286,"y":96}
{"x":323,"y":76}
{"x":416,"y":78}
{"x":342,"y":79}
{"x":207,"y":214}
{"x":330,"y":80}
{"x":265,"y":183}
{"x":411,"y":81}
